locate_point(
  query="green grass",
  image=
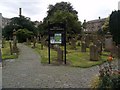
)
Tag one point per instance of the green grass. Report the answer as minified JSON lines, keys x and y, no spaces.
{"x":75,"y":58}
{"x":6,"y":52}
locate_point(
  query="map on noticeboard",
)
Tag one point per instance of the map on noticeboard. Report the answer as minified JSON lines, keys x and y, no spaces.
{"x":56,"y":39}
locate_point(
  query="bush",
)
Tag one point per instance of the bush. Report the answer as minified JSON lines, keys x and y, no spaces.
{"x":22,"y":34}
{"x":108,"y":77}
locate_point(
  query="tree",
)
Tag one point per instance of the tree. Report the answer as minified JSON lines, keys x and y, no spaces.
{"x":105,"y":27}
{"x":63,"y":12}
{"x":19,"y":23}
{"x":23,"y":34}
{"x":114,"y":25}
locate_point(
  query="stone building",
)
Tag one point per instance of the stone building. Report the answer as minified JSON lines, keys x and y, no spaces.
{"x":4,"y":21}
{"x":94,"y":25}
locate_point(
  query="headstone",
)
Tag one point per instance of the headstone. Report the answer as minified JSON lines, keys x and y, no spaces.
{"x":11,"y":50}
{"x":94,"y":55}
{"x":118,"y":51}
{"x":99,"y":46}
{"x":34,"y":42}
{"x":87,"y":40}
{"x":59,"y":54}
{"x":108,"y":42}
{"x":83,"y":47}
{"x":3,"y":42}
{"x":0,"y":56}
{"x":73,"y":43}
{"x":14,"y":41}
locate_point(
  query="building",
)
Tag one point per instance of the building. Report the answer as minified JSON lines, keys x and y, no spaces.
{"x":4,"y":21}
{"x":94,"y":25}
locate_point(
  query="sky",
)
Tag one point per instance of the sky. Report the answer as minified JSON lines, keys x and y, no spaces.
{"x":37,"y":9}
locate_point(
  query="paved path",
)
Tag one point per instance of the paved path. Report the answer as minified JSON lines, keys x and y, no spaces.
{"x":28,"y":72}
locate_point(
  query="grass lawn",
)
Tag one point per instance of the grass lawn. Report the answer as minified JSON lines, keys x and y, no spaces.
{"x":74,"y":57}
{"x":6,"y":52}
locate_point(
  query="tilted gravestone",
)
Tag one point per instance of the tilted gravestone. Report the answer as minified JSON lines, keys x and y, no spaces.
{"x":83,"y":47}
{"x":94,"y":55}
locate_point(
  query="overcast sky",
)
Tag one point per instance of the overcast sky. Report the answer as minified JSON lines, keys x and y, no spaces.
{"x":37,"y":9}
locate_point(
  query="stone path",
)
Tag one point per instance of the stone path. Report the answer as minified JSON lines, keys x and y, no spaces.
{"x":28,"y":72}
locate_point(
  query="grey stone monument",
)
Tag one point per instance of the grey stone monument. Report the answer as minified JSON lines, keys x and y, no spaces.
{"x":73,"y":43}
{"x":94,"y":55}
{"x":14,"y":41}
{"x":83,"y":46}
{"x":108,"y":42}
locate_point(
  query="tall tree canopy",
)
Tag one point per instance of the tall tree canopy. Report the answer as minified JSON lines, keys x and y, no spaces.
{"x":63,"y":12}
{"x":114,"y":25}
{"x":19,"y":23}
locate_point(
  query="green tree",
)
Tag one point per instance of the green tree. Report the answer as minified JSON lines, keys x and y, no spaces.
{"x":105,"y":27}
{"x":63,"y":12}
{"x":114,"y":25}
{"x":19,"y":23}
{"x":22,"y":34}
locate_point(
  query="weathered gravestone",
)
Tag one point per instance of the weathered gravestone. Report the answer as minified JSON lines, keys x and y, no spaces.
{"x":28,"y":41}
{"x":83,"y":47}
{"x":14,"y":41}
{"x":118,"y":51}
{"x":99,"y":46}
{"x":11,"y":50}
{"x":59,"y":53}
{"x":3,"y":42}
{"x":87,"y":40}
{"x":34,"y":42}
{"x":73,"y":43}
{"x":108,"y":42}
{"x":94,"y":55}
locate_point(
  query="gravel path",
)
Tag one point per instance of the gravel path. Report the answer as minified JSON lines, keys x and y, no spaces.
{"x":28,"y":72}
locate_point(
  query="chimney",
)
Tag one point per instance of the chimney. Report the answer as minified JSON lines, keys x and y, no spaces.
{"x":20,"y":11}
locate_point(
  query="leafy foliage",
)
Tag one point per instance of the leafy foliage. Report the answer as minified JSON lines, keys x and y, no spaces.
{"x":19,"y":23}
{"x":22,"y":34}
{"x":63,"y":12}
{"x":114,"y":25}
{"x":108,"y":78}
{"x":105,"y":27}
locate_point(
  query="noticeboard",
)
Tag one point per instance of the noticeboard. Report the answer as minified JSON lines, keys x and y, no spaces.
{"x":56,"y":39}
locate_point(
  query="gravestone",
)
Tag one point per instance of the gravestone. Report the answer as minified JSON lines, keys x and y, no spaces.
{"x":11,"y":50}
{"x":108,"y":42}
{"x":28,"y":41}
{"x":14,"y":41}
{"x":73,"y":43}
{"x":94,"y":55}
{"x":34,"y":42}
{"x":87,"y":40}
{"x":114,"y":49}
{"x":3,"y":42}
{"x":59,"y":53}
{"x":0,"y":56}
{"x":83,"y":47}
{"x":99,"y":46}
{"x":118,"y":51}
